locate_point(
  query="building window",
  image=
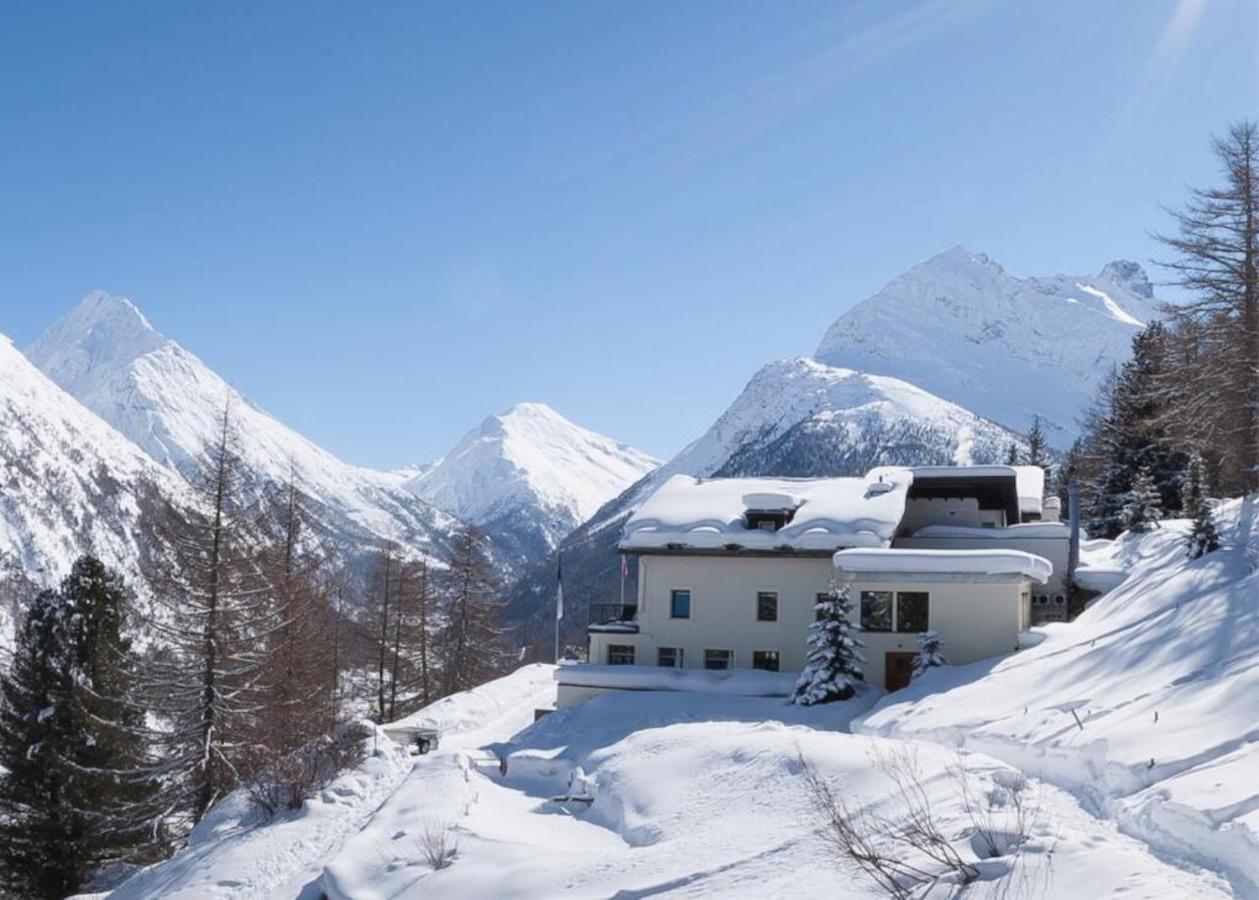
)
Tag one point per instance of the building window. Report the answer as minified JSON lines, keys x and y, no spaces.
{"x":717,"y":659}
{"x":669,"y":657}
{"x":680,"y":605}
{"x":876,"y":610}
{"x":912,"y":610}
{"x":765,"y":659}
{"x":620,"y":654}
{"x":766,"y":606}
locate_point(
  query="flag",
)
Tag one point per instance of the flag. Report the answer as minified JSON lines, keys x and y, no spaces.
{"x":559,"y":587}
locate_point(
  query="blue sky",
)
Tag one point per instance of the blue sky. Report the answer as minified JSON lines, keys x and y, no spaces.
{"x":384,"y":221}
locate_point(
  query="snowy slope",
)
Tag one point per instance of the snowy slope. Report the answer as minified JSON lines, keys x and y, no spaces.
{"x":107,"y":355}
{"x":1006,"y":348}
{"x":692,"y":795}
{"x":69,"y":484}
{"x":1145,"y":706}
{"x":530,"y":476}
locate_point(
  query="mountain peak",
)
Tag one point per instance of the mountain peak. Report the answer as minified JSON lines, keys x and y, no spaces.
{"x":101,"y":331}
{"x":1130,"y":275}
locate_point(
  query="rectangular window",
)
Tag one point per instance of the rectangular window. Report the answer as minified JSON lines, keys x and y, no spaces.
{"x":717,"y":659}
{"x":876,"y":610}
{"x":765,"y":659}
{"x":620,"y":654}
{"x":680,"y":605}
{"x":766,"y":606}
{"x":912,"y":610}
{"x":669,"y":657}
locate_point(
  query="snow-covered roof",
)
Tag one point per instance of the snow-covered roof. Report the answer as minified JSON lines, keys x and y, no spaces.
{"x":969,"y":562}
{"x":1029,"y":530}
{"x":1030,"y":481}
{"x":829,"y":513}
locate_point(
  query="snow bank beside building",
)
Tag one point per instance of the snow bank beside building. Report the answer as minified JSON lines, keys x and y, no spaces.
{"x":1144,"y":706}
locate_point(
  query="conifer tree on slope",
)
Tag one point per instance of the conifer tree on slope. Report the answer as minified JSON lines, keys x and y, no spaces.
{"x":38,"y":834}
{"x":835,"y":665}
{"x":1037,"y":449}
{"x":1141,"y":510}
{"x":1203,"y":536}
{"x":471,"y":641}
{"x":218,"y":611}
{"x":71,"y":740}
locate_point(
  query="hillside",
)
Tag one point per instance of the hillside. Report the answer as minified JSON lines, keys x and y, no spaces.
{"x":163,"y":398}
{"x":1144,"y":706}
{"x":1006,"y":348}
{"x":69,"y":484}
{"x":528,"y":477}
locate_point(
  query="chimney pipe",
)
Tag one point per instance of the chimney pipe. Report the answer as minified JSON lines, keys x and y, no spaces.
{"x":1073,"y":513}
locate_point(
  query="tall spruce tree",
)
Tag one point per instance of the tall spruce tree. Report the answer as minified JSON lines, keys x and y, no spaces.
{"x":1215,"y":256}
{"x":1203,"y":536}
{"x":1037,"y":448}
{"x":39,"y":836}
{"x":835,"y":665}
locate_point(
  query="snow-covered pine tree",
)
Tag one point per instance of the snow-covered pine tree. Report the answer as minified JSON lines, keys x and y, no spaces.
{"x":39,"y":855}
{"x":1203,"y":536}
{"x":470,"y":643}
{"x":213,"y":617}
{"x":1142,"y":510}
{"x":111,"y":790}
{"x":930,"y":653}
{"x":835,"y":666}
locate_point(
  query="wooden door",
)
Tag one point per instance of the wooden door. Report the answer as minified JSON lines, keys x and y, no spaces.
{"x":898,"y":666}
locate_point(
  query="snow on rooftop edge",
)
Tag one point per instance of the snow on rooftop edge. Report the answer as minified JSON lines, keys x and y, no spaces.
{"x":829,"y":512}
{"x":976,"y":562}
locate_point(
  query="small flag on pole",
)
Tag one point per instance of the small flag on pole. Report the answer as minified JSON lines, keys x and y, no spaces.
{"x":559,"y":588}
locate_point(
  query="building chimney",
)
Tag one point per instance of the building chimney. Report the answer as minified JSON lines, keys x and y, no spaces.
{"x":1073,"y":513}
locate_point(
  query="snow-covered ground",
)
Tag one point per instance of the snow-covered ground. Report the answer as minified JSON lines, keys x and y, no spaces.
{"x":1129,"y":733}
{"x":1146,"y":706}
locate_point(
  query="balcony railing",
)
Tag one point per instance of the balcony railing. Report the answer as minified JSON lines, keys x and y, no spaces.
{"x":612,"y":613}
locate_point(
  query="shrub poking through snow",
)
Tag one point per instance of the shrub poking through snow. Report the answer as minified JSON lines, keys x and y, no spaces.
{"x":1142,"y":506}
{"x":438,"y":844}
{"x":1203,"y":537}
{"x":930,"y":653}
{"x":835,"y":665}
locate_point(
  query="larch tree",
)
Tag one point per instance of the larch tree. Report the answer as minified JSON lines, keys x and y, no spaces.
{"x":471,"y":640}
{"x":1215,"y":257}
{"x":835,"y":665}
{"x":214,"y":615}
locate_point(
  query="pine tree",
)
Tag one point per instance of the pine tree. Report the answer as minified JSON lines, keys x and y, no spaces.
{"x":471,"y":641}
{"x":1203,"y":536}
{"x":930,"y":653}
{"x":835,"y":665}
{"x":1141,"y":511}
{"x":1012,"y":454}
{"x":1216,"y":258}
{"x":1037,"y":449}
{"x":112,"y":793}
{"x":39,"y":837}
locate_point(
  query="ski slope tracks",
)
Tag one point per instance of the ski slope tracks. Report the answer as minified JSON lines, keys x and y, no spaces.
{"x":1144,"y":706}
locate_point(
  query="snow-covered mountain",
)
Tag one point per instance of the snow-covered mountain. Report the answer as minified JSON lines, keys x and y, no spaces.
{"x":1006,"y":348}
{"x":169,"y":403}
{"x":796,"y":417}
{"x":69,"y":484}
{"x":529,"y":476}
